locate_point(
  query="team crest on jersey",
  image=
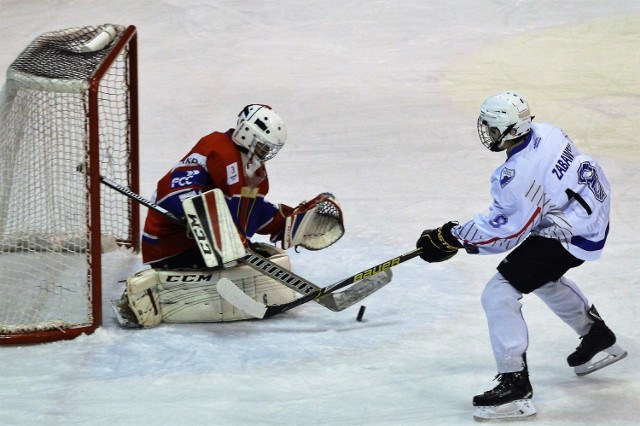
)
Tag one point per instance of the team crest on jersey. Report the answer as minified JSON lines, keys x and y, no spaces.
{"x":506,"y":176}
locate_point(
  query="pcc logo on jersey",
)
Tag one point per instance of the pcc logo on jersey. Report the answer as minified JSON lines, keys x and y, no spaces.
{"x":182,"y":178}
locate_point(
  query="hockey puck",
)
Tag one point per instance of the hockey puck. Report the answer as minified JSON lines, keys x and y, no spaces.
{"x":360,"y":313}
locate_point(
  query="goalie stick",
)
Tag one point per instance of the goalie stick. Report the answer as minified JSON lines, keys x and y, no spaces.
{"x":126,"y":191}
{"x":232,"y":294}
{"x":338,"y":302}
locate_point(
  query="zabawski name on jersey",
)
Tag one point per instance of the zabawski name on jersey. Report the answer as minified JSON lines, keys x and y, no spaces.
{"x":563,"y":163}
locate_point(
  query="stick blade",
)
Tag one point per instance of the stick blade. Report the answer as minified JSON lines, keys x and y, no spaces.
{"x":339,"y":301}
{"x":238,"y":298}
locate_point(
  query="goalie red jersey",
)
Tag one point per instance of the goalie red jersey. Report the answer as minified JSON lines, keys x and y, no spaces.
{"x":214,"y":162}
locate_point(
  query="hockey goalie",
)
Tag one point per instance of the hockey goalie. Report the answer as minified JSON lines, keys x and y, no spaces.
{"x":217,"y":191}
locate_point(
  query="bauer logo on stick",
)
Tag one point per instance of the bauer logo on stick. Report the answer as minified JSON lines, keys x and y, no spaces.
{"x":377,"y":269}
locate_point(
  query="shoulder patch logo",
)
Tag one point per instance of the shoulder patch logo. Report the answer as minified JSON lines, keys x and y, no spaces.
{"x":506,"y":176}
{"x":233,"y":175}
{"x":588,"y":175}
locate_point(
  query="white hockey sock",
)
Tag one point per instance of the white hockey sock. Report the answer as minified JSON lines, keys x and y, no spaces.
{"x":566,"y":300}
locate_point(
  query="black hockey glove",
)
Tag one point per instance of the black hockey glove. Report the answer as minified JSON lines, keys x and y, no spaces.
{"x":438,"y":244}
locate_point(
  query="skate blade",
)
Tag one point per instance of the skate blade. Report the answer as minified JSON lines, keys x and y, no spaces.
{"x":521,"y":409}
{"x":608,"y":356}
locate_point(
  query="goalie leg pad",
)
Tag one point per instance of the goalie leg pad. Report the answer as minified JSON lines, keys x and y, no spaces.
{"x":188,"y":296}
{"x":142,"y":293}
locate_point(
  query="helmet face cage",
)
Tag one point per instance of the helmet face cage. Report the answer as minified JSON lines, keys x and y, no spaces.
{"x":492,"y":137}
{"x":264,"y":149}
{"x":503,"y":117}
{"x":260,"y":130}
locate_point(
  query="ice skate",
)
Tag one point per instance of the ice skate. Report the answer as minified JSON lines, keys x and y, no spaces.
{"x":509,"y":400}
{"x":123,"y":312}
{"x":597,"y":349}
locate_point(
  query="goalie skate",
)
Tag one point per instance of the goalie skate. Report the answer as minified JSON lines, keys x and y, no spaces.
{"x":521,"y":409}
{"x":608,"y":356}
{"x":124,"y":315}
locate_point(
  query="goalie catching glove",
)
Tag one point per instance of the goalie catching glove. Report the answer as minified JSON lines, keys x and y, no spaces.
{"x":438,"y":244}
{"x":313,"y":224}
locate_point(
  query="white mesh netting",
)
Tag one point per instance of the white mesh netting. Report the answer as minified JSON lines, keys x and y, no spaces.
{"x":45,"y":256}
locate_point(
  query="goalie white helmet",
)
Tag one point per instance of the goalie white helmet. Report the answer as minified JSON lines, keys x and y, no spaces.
{"x":260,"y":130}
{"x":503,"y":117}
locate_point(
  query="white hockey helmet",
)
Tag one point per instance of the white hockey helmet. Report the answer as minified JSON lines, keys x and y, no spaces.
{"x":503,"y":117}
{"x":260,"y":130}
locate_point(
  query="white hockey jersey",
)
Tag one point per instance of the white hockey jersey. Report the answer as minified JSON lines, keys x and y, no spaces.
{"x":545,"y":187}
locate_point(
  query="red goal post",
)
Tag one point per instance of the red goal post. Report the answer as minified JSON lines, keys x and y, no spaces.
{"x":68,"y":113}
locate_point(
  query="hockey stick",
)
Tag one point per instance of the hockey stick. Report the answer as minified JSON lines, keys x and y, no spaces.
{"x":215,"y":253}
{"x":338,"y":302}
{"x":232,"y":294}
{"x":126,"y":191}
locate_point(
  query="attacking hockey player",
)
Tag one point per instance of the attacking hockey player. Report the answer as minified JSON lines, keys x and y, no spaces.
{"x":551,"y":205}
{"x":218,"y":191}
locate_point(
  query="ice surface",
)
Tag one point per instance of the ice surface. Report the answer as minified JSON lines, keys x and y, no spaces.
{"x":380,"y":99}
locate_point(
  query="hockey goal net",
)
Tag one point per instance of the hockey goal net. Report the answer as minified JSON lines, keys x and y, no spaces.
{"x":68,"y":114}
